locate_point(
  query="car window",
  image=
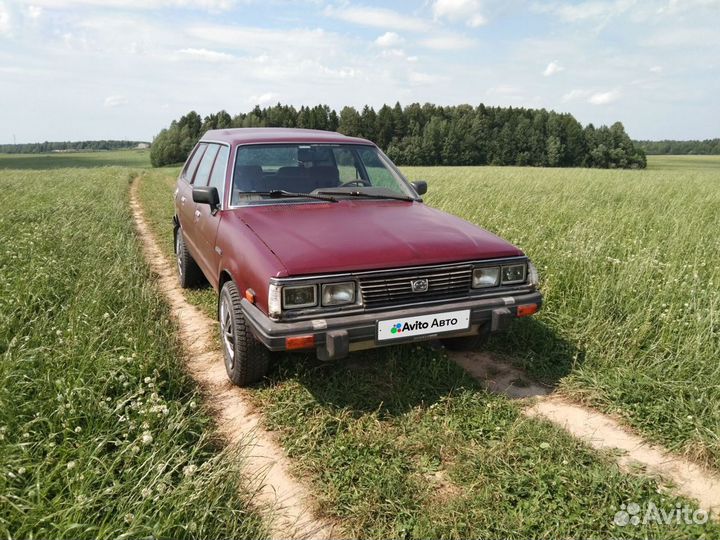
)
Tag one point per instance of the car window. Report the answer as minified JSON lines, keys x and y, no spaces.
{"x":347,"y":165}
{"x":268,"y":158}
{"x":193,"y":163}
{"x":206,"y":163}
{"x":377,"y":172}
{"x":217,"y":177}
{"x":260,"y":170}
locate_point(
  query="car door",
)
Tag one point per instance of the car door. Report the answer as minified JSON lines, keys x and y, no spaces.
{"x":207,"y":220}
{"x":201,"y":212}
{"x":183,"y":194}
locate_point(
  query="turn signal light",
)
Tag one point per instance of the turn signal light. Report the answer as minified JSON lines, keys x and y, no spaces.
{"x":299,"y":342}
{"x":526,"y":310}
{"x":250,"y":295}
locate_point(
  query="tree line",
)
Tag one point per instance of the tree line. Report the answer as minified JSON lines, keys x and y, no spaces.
{"x":37,"y":148}
{"x":432,"y":135}
{"x":706,"y":147}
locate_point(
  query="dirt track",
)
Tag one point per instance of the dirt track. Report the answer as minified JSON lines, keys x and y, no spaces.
{"x":285,"y":502}
{"x":598,"y":430}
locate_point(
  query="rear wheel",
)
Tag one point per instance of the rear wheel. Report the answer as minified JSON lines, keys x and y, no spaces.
{"x":246,"y":359}
{"x":189,"y":273}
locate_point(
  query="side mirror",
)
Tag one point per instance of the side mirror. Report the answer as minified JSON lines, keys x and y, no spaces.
{"x":206,"y":195}
{"x":420,"y":186}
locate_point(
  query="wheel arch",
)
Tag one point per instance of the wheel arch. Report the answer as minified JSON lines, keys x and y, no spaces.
{"x":224,"y":277}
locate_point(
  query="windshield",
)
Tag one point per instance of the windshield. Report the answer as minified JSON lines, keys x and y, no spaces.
{"x":261,"y":170}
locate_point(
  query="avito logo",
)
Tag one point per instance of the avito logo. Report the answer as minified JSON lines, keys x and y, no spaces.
{"x":400,"y":327}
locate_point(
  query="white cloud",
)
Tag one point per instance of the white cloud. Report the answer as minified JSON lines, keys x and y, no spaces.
{"x":448,"y":42}
{"x":264,"y":99}
{"x":397,"y":54}
{"x":389,"y":39}
{"x":457,"y":10}
{"x":34,"y":12}
{"x":376,"y":18}
{"x":656,"y":69}
{"x":594,"y":98}
{"x":604,"y":98}
{"x":206,"y":55}
{"x":680,"y":6}
{"x":419,"y":78}
{"x":504,"y":90}
{"x":4,"y":20}
{"x":116,"y":101}
{"x":210,"y":5}
{"x":553,"y":68}
{"x":576,"y":94}
{"x":262,"y":39}
{"x":589,"y":10}
{"x":689,"y":37}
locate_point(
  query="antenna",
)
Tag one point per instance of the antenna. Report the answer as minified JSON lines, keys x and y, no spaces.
{"x":14,"y":142}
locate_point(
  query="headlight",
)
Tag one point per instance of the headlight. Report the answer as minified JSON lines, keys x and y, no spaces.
{"x":274,"y":300}
{"x":513,"y":274}
{"x":485,"y":276}
{"x":533,"y":277}
{"x":299,"y":296}
{"x":336,"y":294}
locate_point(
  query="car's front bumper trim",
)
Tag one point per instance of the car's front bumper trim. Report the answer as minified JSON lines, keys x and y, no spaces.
{"x":334,"y":336}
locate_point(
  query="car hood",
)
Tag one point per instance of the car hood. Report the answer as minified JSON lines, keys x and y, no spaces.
{"x":367,"y":235}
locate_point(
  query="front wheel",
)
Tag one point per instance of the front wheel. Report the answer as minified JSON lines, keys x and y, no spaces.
{"x":246,"y":359}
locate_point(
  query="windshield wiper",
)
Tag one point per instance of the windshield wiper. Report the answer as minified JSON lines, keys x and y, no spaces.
{"x":281,"y":193}
{"x":366,"y":195}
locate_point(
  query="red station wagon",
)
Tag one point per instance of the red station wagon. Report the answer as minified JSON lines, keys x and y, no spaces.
{"x":315,"y":240}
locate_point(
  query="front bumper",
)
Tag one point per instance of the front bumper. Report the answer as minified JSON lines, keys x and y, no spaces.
{"x":336,"y":336}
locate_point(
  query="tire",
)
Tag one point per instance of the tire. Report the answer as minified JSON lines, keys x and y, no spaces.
{"x":467,"y":343}
{"x":246,"y":359}
{"x":189,"y":273}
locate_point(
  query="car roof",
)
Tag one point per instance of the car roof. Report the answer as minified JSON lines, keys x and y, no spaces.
{"x":279,"y":135}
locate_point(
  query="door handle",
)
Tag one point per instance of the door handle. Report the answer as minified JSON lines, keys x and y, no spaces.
{"x":197,"y":213}
{"x":182,"y":199}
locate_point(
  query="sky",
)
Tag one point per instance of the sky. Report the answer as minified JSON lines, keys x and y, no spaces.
{"x":124,"y":69}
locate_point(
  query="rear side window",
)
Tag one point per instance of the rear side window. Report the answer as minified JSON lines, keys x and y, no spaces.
{"x":203,"y":172}
{"x":192,"y":165}
{"x":217,"y":177}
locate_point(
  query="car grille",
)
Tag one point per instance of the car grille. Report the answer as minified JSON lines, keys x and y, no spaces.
{"x":395,"y":288}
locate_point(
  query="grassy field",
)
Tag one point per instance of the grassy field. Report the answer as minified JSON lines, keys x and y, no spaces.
{"x":401,"y":443}
{"x":102,"y":435}
{"x":84,"y":160}
{"x":683,"y":163}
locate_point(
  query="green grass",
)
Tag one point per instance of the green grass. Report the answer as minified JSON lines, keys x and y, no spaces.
{"x":683,"y":163}
{"x":400,"y":443}
{"x":101,"y":432}
{"x":60,"y":160}
{"x":629,"y":267}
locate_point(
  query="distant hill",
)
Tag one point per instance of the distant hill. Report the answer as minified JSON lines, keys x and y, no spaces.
{"x":706,"y":147}
{"x":70,"y":146}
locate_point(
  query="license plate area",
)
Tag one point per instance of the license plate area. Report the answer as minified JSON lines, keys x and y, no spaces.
{"x":421,"y":325}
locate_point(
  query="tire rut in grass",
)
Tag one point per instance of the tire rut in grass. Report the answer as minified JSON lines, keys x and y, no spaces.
{"x":596,"y":429}
{"x":287,"y":503}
